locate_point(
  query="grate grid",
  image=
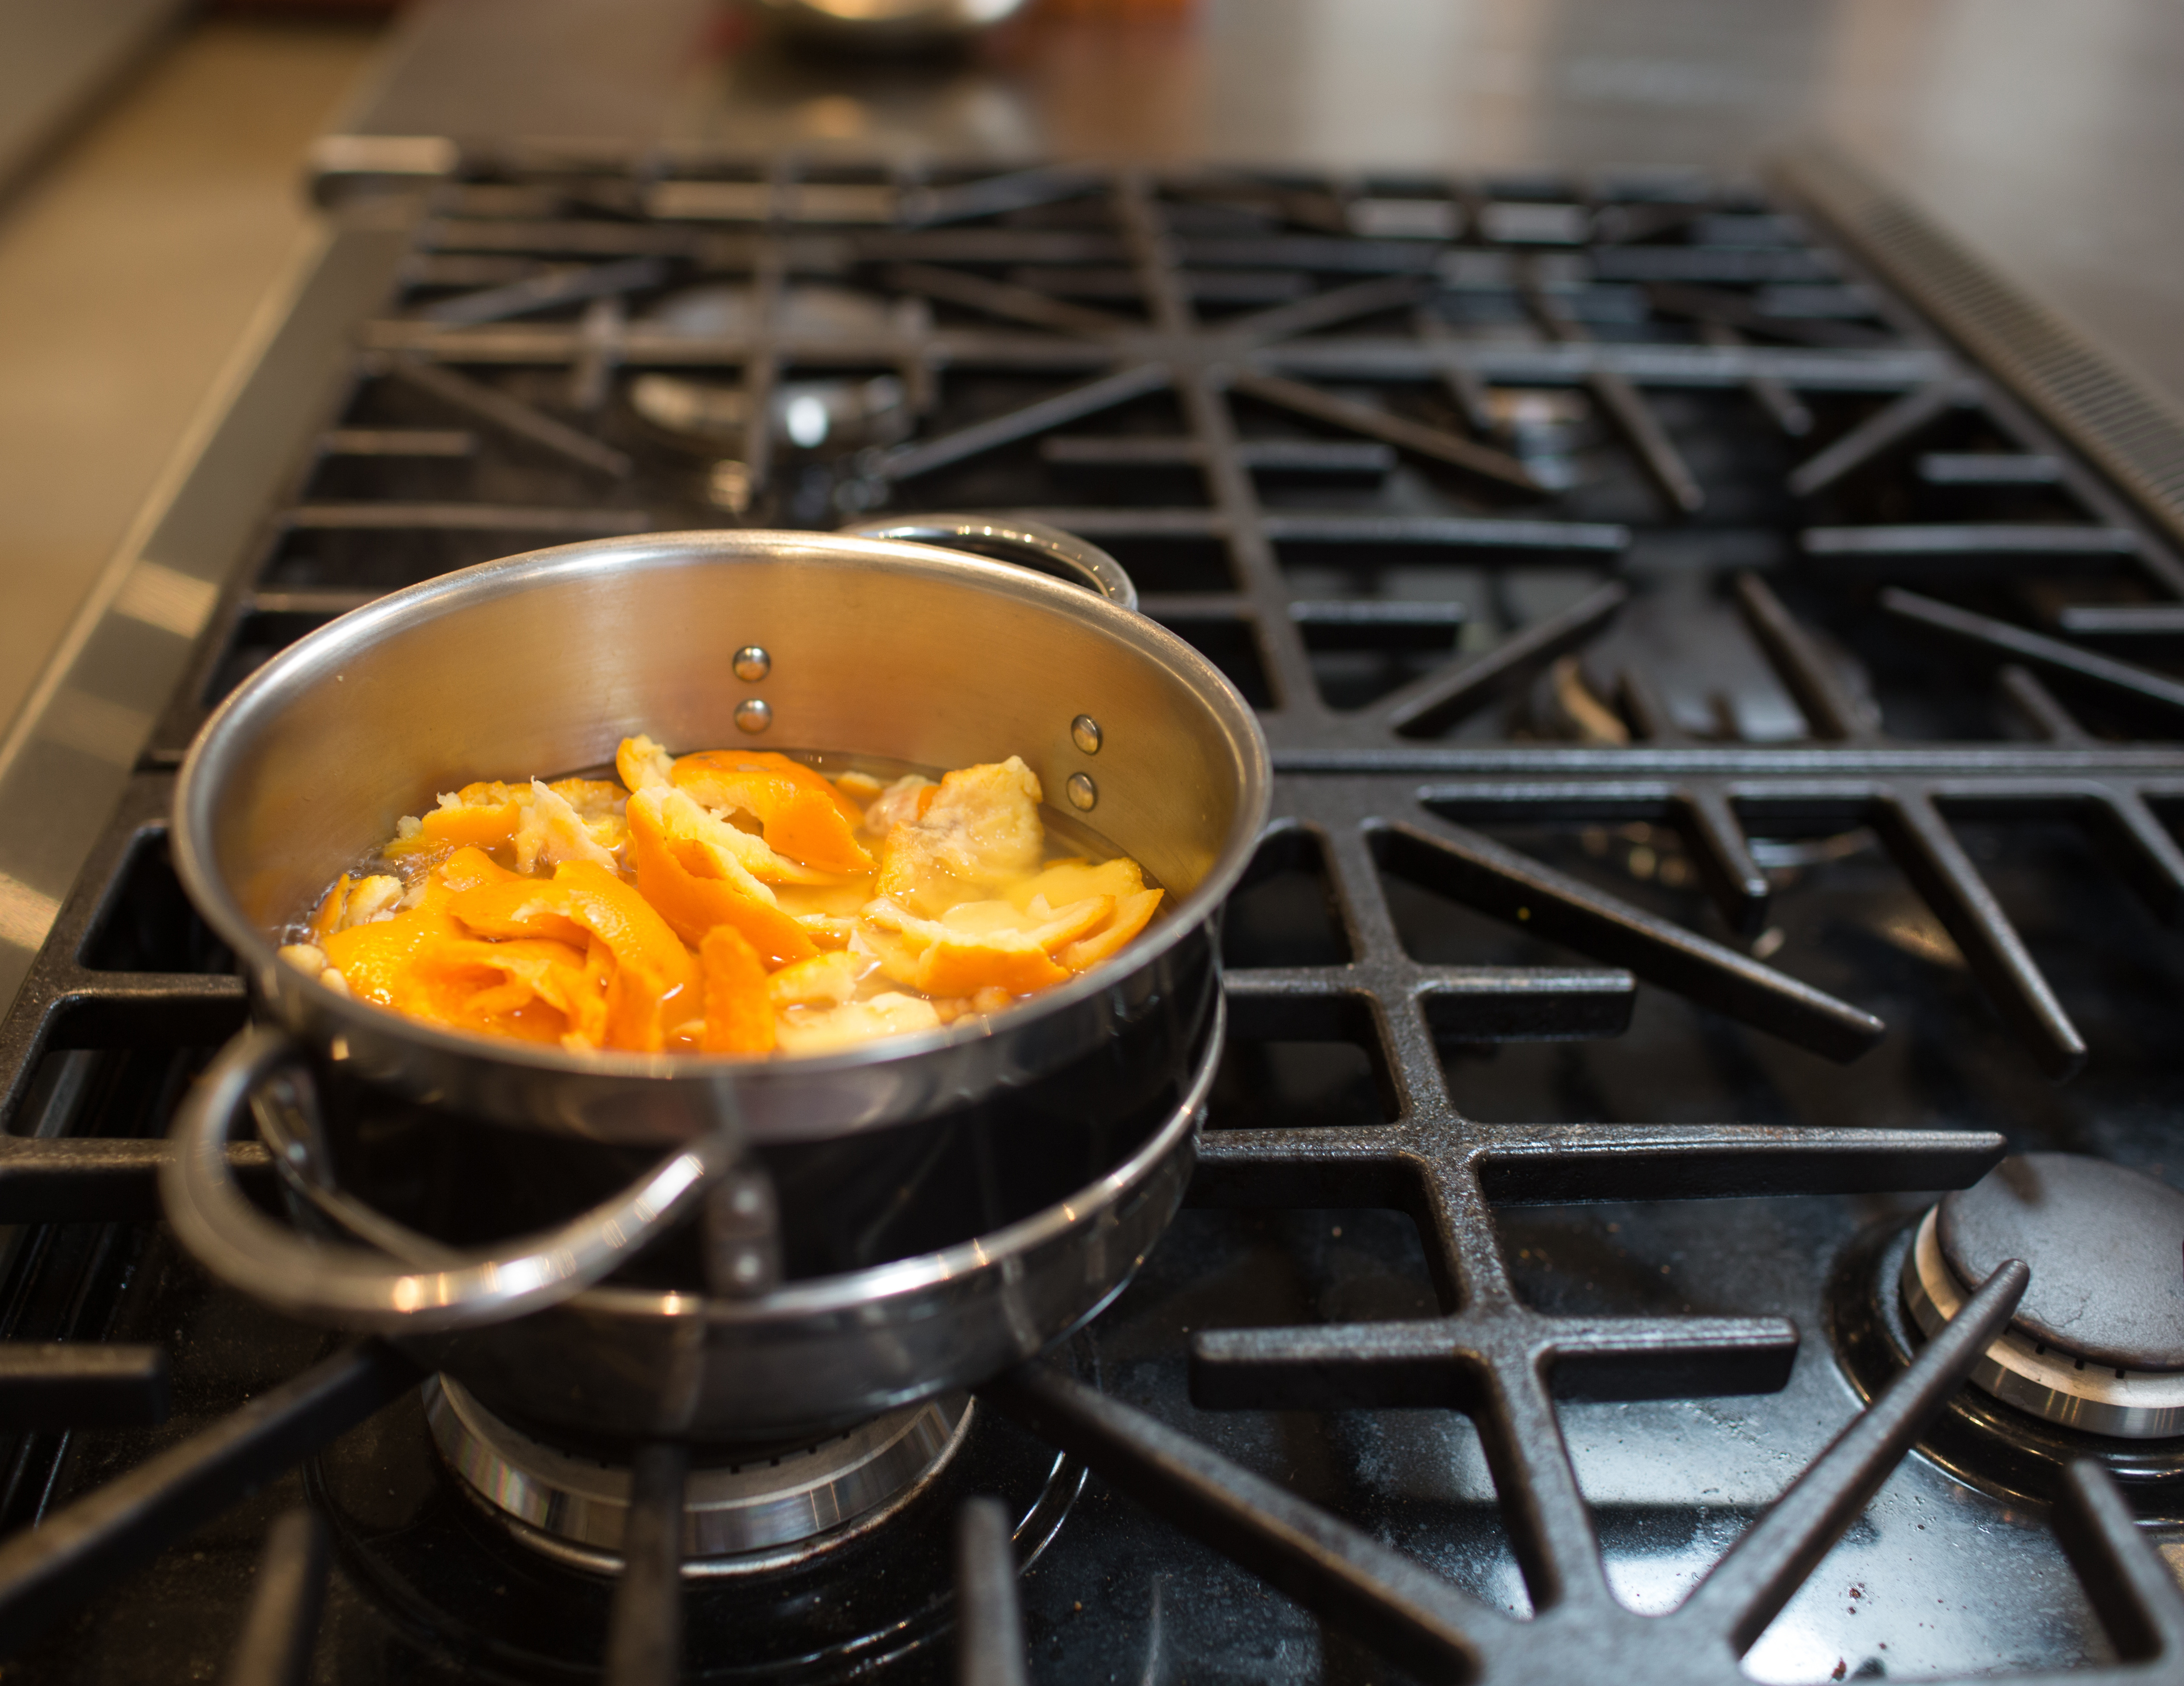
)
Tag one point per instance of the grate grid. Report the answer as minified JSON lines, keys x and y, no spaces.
{"x":1419,"y":463}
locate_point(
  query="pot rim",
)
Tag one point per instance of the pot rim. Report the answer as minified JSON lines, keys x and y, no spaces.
{"x":319,"y":654}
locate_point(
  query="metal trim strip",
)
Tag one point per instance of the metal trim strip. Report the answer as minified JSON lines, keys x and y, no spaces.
{"x":68,"y":751}
{"x":2134,"y":434}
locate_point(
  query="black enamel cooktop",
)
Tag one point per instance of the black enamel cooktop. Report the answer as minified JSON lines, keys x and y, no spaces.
{"x":1719,"y":652}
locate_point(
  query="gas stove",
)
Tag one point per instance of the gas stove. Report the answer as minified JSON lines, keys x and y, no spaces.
{"x":1718,"y":648}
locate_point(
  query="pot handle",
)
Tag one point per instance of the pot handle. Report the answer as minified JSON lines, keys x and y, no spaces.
{"x":1032,"y":545}
{"x":434,"y":1287}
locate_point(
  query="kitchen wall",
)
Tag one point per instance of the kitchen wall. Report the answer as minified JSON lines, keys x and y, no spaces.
{"x":131,"y":267}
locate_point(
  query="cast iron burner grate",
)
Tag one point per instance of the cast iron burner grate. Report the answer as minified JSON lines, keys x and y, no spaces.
{"x":1626,"y":575}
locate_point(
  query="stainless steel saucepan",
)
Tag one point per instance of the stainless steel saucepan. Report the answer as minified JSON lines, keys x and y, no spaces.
{"x":890,"y":647}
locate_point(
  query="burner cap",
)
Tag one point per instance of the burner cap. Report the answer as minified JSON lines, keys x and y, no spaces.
{"x":2098,"y":1342}
{"x":2106,"y":1246}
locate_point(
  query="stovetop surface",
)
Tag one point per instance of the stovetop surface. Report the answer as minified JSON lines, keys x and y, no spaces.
{"x":1727,"y":751}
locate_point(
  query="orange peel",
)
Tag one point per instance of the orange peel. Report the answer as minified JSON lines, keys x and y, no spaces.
{"x":670,"y":876}
{"x":1131,"y":915}
{"x":721,"y":900}
{"x":651,"y":966}
{"x":800,"y":812}
{"x":738,"y":1012}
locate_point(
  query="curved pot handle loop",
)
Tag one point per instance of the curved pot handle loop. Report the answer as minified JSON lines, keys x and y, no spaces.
{"x":1032,"y":545}
{"x":433,"y":1287}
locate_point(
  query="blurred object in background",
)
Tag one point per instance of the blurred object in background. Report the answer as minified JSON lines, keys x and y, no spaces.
{"x":892,"y":25}
{"x":885,"y":25}
{"x":1111,"y":8}
{"x":367,"y":10}
{"x":55,"y":59}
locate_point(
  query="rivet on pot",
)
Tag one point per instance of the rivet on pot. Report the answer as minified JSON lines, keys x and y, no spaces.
{"x":754,"y":714}
{"x":1085,"y":730}
{"x":752,"y":664}
{"x":1083,"y":793}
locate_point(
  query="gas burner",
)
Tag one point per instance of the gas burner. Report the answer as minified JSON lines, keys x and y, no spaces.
{"x":483,"y":1597}
{"x":2098,"y":1342}
{"x":807,"y":416}
{"x":2048,"y":1394}
{"x":742,"y":431}
{"x":745,"y":1513}
{"x":825,"y":429}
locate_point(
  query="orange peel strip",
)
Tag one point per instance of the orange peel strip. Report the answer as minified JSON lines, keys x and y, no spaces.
{"x":651,"y":966}
{"x":800,"y":812}
{"x":738,"y":1013}
{"x":693,"y":905}
{"x":482,"y":815}
{"x":1131,"y":914}
{"x":530,"y":987}
{"x":327,"y":920}
{"x":953,"y":968}
{"x":640,"y":763}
